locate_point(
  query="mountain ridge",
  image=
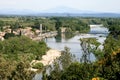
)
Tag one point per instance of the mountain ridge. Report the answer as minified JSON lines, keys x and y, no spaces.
{"x":58,"y":11}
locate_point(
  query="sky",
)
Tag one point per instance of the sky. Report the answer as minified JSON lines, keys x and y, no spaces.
{"x":39,"y":5}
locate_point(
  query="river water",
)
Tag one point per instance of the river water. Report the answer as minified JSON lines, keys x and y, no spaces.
{"x":73,"y":42}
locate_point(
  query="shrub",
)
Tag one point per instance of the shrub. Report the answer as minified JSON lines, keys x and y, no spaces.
{"x":38,"y":66}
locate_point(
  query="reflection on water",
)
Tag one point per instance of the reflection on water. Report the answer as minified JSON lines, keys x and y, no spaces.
{"x":65,"y":36}
{"x":73,"y":42}
{"x":99,"y":30}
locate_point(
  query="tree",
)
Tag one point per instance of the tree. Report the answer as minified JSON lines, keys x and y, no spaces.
{"x":58,"y":24}
{"x":1,"y":25}
{"x":8,"y":35}
{"x":60,"y":65}
{"x":23,"y":45}
{"x":21,"y":72}
{"x":72,"y":72}
{"x":89,"y":45}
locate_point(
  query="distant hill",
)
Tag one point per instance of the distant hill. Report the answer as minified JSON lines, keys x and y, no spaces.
{"x":59,"y":11}
{"x":80,"y":14}
{"x":16,"y":12}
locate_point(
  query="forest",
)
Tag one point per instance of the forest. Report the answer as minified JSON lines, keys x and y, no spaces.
{"x":49,"y":23}
{"x":16,"y":52}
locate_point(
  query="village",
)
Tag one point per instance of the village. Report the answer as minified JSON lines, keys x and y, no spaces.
{"x":36,"y":35}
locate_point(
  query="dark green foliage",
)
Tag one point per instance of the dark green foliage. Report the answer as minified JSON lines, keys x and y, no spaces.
{"x":43,"y":47}
{"x":15,"y":25}
{"x":72,"y":24}
{"x":49,"y":24}
{"x":115,"y":30}
{"x":8,"y":35}
{"x":110,"y":67}
{"x":99,"y":54}
{"x":23,"y":45}
{"x":111,"y":44}
{"x":58,"y":24}
{"x":38,"y":66}
{"x":56,"y":73}
{"x":36,"y":25}
{"x":17,"y":48}
{"x":21,"y":72}
{"x":15,"y":56}
{"x":15,"y":70}
{"x":1,"y":25}
{"x":66,"y":58}
{"x":110,"y":64}
{"x":72,"y":72}
{"x":77,"y":71}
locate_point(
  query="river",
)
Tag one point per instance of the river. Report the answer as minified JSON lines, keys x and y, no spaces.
{"x":73,"y":42}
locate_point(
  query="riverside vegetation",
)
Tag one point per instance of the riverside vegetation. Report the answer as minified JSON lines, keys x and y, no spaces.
{"x":17,"y":52}
{"x":49,"y":24}
{"x":105,"y":67}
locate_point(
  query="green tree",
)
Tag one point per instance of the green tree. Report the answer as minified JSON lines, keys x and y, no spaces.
{"x":60,"y":65}
{"x":8,"y":35}
{"x":58,"y":24}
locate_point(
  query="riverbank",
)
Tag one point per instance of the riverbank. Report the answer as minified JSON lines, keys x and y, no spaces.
{"x":47,"y":59}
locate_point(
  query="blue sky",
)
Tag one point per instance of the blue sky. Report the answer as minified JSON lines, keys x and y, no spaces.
{"x":37,"y":5}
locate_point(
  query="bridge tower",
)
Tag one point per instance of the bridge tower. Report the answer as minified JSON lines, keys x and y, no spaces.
{"x":40,"y":29}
